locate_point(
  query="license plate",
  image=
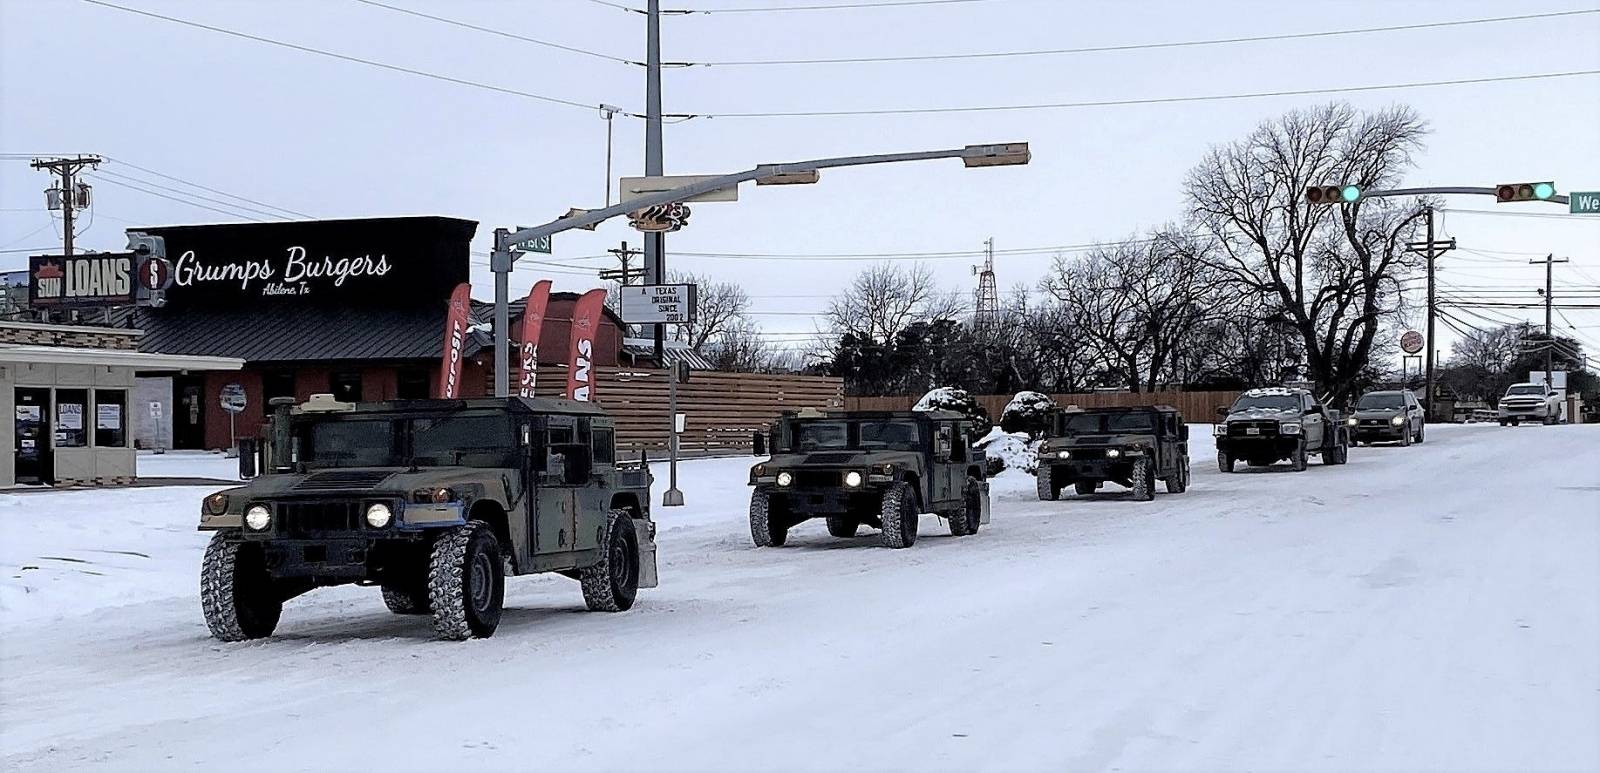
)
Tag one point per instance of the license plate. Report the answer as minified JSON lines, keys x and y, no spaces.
{"x":1252,"y":430}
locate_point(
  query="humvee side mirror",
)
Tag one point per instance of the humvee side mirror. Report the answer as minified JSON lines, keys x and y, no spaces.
{"x":1315,"y":408}
{"x":758,"y":443}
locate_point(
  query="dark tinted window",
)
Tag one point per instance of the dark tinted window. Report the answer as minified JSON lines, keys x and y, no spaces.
{"x":462,"y":439}
{"x":345,"y":386}
{"x":110,"y":418}
{"x":812,"y":435}
{"x":605,"y":445}
{"x":1130,"y":422}
{"x":72,"y":411}
{"x":352,"y":443}
{"x":890,"y":434}
{"x":277,"y":384}
{"x":1381,"y":400}
{"x":411,"y":385}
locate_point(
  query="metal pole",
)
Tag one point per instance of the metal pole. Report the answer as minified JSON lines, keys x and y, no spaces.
{"x":1549,"y":338}
{"x":655,"y":250}
{"x":609,"y":114}
{"x":1427,"y":397}
{"x":500,"y":264}
{"x":673,"y":497}
{"x":66,"y":208}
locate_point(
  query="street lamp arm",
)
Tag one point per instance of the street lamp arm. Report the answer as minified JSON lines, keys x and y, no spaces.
{"x":1556,"y":199}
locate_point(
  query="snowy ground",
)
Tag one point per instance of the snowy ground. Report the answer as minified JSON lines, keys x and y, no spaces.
{"x":1424,"y":608}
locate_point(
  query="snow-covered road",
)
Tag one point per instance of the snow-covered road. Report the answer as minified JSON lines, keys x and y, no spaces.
{"x":1425,"y":608}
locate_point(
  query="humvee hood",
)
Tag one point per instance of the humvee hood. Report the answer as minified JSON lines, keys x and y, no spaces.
{"x":366,"y":479}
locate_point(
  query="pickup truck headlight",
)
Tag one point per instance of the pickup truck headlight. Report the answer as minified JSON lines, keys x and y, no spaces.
{"x":1218,"y":430}
{"x":785,"y":478}
{"x":852,"y":479}
{"x":1289,"y":428}
{"x":1398,"y":420}
{"x":379,"y":515}
{"x":1350,"y":421}
{"x":1063,"y":454}
{"x":258,"y":518}
{"x":1112,"y":453}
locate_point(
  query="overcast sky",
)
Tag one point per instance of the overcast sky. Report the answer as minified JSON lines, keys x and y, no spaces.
{"x":333,"y":138}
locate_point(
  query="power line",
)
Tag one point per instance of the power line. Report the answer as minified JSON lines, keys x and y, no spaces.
{"x":1142,"y":46}
{"x":934,"y":255}
{"x":40,"y":250}
{"x":1495,"y":213}
{"x":827,"y":7}
{"x":500,"y":33}
{"x":206,"y":188}
{"x":198,"y":196}
{"x":355,"y":59}
{"x":174,"y":198}
{"x":1147,"y":101}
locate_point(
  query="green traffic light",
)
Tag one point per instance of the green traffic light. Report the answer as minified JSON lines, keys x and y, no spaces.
{"x":1350,"y":193}
{"x":1543,"y":191}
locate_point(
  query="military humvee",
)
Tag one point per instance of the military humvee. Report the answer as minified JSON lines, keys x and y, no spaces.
{"x":435,"y":501}
{"x":1131,"y":446}
{"x":880,"y":468}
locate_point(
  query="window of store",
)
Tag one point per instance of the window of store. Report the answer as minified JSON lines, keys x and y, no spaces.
{"x":411,"y":384}
{"x":278,"y":384}
{"x":345,"y":386}
{"x":71,"y":409}
{"x":110,"y":418}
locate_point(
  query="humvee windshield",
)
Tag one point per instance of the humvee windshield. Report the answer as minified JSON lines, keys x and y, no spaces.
{"x":1381,"y":400}
{"x":865,"y":434}
{"x":481,"y":441}
{"x":1268,"y":402}
{"x":1107,"y":423}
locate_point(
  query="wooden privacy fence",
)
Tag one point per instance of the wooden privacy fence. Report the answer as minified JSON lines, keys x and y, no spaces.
{"x":1195,"y":406}
{"x":722,"y":410}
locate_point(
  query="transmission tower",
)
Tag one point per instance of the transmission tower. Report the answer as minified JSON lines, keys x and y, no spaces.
{"x":987,"y":309}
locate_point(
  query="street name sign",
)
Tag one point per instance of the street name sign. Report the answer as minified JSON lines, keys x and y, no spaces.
{"x":1584,"y":202}
{"x":658,"y":304}
{"x":540,"y":245}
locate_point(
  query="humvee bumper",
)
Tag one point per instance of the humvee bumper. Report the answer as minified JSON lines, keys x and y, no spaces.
{"x":1091,"y":469}
{"x":819,"y":501}
{"x":645,"y":530}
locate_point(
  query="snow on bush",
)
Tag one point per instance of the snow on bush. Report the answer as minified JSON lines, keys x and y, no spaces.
{"x":959,"y":401}
{"x":1009,"y":451}
{"x":1028,"y":413}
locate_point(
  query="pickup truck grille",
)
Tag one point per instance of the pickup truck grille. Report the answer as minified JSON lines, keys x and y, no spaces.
{"x":298,"y":519}
{"x":1374,"y":422}
{"x":1242,"y":428}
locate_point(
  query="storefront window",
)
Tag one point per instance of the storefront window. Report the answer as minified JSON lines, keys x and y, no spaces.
{"x":345,"y":386}
{"x":279,"y":384}
{"x":71,"y":408}
{"x":411,"y":385}
{"x":110,"y":418}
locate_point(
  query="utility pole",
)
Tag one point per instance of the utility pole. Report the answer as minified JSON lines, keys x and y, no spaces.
{"x":608,"y":112}
{"x":1549,"y":305}
{"x":626,"y":274}
{"x":655,"y":249}
{"x":72,"y":194}
{"x":1432,"y":250}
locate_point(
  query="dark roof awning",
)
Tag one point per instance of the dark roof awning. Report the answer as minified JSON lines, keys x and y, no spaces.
{"x":285,"y":335}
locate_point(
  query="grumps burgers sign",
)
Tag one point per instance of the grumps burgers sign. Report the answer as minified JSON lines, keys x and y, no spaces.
{"x":95,"y":279}
{"x":380,"y":262}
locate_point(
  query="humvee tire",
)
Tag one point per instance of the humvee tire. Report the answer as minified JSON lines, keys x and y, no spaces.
{"x":899,"y":516}
{"x":236,"y":593}
{"x":843,"y":526}
{"x":1045,"y":485}
{"x":765,"y":530}
{"x":613,"y":584}
{"x":966,"y":520}
{"x":466,"y":582}
{"x":406,"y":599}
{"x":1179,"y":483}
{"x":1299,"y":458}
{"x":1085,"y":487}
{"x":1144,"y":481}
{"x":1224,"y":462}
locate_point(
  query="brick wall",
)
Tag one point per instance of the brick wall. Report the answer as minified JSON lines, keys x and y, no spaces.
{"x":74,"y":336}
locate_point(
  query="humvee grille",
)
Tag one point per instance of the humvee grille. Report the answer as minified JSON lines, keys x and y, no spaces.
{"x":818,"y":478}
{"x":341,"y":479}
{"x":303,"y":518}
{"x":833,"y":458}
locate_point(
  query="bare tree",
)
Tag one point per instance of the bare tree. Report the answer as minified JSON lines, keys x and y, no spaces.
{"x":886,"y":298}
{"x":721,"y":307}
{"x":1331,"y":271}
{"x":740,"y":347}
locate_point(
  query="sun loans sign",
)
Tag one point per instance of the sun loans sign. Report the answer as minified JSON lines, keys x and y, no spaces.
{"x":80,"y":280}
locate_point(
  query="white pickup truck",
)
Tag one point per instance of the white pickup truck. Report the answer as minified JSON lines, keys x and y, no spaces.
{"x":1530,"y":402}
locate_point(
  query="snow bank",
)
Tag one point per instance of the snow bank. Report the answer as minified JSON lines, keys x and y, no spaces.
{"x":1014,"y":450}
{"x":1028,"y":412}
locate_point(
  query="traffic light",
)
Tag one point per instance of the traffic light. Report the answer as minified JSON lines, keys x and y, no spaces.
{"x":661,"y":218}
{"x":1524,"y":192}
{"x":1333,"y":194}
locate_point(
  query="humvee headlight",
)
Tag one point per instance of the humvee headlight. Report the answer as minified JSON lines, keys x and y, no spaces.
{"x":1113,"y":453}
{"x":1398,"y":420}
{"x":216,"y":504}
{"x":1063,"y":454}
{"x":1289,"y":428}
{"x":379,"y":515}
{"x":886,"y":469}
{"x":258,"y":517}
{"x":785,"y":478}
{"x":852,"y":479}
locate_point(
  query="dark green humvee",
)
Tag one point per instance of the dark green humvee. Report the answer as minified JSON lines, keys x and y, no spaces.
{"x":1134,"y":447}
{"x":879,"y":468}
{"x":435,"y":501}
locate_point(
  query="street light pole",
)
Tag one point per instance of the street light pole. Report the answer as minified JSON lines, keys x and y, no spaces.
{"x":655,"y":248}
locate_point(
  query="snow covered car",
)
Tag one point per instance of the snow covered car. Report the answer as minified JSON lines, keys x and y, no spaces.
{"x":433,"y":500}
{"x":1529,"y":402}
{"x":1276,"y":423}
{"x":1133,"y":447}
{"x":1387,"y":416}
{"x":879,"y":468}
